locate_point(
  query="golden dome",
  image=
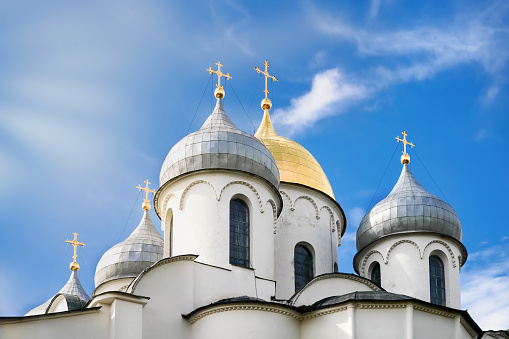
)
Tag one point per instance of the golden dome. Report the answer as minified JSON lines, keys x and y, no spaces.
{"x":295,"y":163}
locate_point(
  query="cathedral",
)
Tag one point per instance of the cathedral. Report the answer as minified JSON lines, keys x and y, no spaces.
{"x":251,"y":231}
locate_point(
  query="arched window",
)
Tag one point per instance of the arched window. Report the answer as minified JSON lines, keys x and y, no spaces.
{"x":239,"y":233}
{"x":303,"y":263}
{"x":375,"y":274}
{"x":335,"y":267}
{"x":436,"y":280}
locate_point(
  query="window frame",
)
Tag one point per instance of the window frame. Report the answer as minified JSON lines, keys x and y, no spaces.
{"x":437,"y":283}
{"x":243,"y":257}
{"x":303,"y":279}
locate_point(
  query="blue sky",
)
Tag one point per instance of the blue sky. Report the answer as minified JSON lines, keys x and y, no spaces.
{"x":93,"y":96}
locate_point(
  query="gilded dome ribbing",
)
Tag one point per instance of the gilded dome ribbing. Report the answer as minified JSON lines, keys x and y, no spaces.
{"x":295,"y":163}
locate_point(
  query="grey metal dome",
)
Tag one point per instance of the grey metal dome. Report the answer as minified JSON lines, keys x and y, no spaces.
{"x":74,"y":294}
{"x":127,"y":259}
{"x":219,"y":144}
{"x":408,"y":208}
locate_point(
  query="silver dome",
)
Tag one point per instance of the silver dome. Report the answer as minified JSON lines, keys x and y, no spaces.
{"x":219,"y":144}
{"x":75,"y":296}
{"x":408,"y":208}
{"x":127,"y":259}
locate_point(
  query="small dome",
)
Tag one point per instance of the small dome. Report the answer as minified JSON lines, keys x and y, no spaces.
{"x":130,"y":257}
{"x":295,"y":163}
{"x":219,"y":144}
{"x":74,"y":294}
{"x":408,"y":208}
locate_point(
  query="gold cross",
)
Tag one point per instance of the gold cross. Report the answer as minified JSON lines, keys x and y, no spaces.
{"x":219,"y":90}
{"x":405,"y":158}
{"x":146,"y":202}
{"x":75,"y":243}
{"x":267,"y":75}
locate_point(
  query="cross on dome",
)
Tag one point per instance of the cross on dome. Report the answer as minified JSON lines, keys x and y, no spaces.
{"x":74,"y":265}
{"x":405,"y":158}
{"x":219,"y":92}
{"x":146,"y":202}
{"x":266,"y":104}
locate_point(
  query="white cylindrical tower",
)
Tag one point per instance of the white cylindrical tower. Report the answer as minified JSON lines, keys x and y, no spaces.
{"x":219,"y":198}
{"x":311,"y":224}
{"x":411,"y":243}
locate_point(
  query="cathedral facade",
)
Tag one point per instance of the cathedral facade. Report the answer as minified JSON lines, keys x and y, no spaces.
{"x":251,"y":231}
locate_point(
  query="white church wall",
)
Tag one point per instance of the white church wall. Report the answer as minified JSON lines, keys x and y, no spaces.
{"x":200,"y":206}
{"x":380,"y":322}
{"x":332,"y":326}
{"x":170,"y":289}
{"x":306,"y":218}
{"x":427,"y":325}
{"x":60,"y":326}
{"x":113,"y":285}
{"x":249,"y":322}
{"x":330,"y":285}
{"x":125,"y":320}
{"x":404,"y":264}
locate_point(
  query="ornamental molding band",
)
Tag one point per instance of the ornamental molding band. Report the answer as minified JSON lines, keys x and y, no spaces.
{"x":340,"y":230}
{"x":286,"y":195}
{"x":434,"y":311}
{"x":331,"y":216}
{"x":308,"y":198}
{"x":397,"y":243}
{"x":365,"y":260}
{"x":264,"y":308}
{"x":406,"y":241}
{"x":247,"y":185}
{"x":443,"y":243}
{"x":165,"y":205}
{"x":364,"y":281}
{"x":467,"y":327}
{"x":164,"y":261}
{"x":380,"y":306}
{"x":315,"y":314}
{"x":274,"y":213}
{"x":194,"y":183}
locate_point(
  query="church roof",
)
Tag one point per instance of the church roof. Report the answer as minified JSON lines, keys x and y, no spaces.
{"x":73,"y":292}
{"x":130,"y":257}
{"x":295,"y":163}
{"x":219,"y":144}
{"x":408,"y":208}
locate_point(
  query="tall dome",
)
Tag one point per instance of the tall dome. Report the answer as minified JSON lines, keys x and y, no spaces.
{"x":295,"y":163}
{"x":127,"y":259}
{"x":219,"y":144}
{"x":408,"y":208}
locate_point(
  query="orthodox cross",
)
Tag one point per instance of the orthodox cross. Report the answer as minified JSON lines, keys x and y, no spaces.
{"x":404,"y":142}
{"x":219,"y":75}
{"x":146,"y":203}
{"x":75,"y":243}
{"x":267,"y":75}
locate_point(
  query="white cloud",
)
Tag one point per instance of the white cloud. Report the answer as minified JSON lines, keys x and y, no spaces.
{"x":485,"y":288}
{"x":402,"y":56}
{"x":331,"y":91}
{"x":374,"y":8}
{"x":355,"y":215}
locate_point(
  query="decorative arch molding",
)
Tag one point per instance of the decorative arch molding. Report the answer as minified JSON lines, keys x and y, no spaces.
{"x":397,"y":243}
{"x":443,"y":243}
{"x":165,"y":205}
{"x":308,"y":198}
{"x":366,"y":257}
{"x":274,"y":213}
{"x":340,"y":231}
{"x":251,"y":187}
{"x":288,"y":197}
{"x":331,"y":216}
{"x":194,"y":183}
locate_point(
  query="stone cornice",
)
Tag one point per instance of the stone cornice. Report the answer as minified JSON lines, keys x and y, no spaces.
{"x":245,"y":307}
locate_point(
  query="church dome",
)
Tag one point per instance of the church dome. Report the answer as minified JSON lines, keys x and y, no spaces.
{"x":408,"y":208}
{"x":130,"y":257}
{"x":295,"y":163}
{"x":219,"y":144}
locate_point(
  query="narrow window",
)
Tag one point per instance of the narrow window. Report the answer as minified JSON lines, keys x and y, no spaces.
{"x":436,"y":280}
{"x":303,"y":263}
{"x":375,"y":274}
{"x":239,"y":233}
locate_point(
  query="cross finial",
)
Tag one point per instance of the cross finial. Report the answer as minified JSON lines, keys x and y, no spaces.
{"x":219,"y":92}
{"x":74,"y":265}
{"x":405,"y":158}
{"x":266,"y":104}
{"x":146,"y":202}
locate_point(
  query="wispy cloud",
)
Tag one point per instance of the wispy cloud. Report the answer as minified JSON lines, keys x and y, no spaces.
{"x":402,"y":56}
{"x":374,"y":8}
{"x":485,"y":288}
{"x":331,"y":92}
